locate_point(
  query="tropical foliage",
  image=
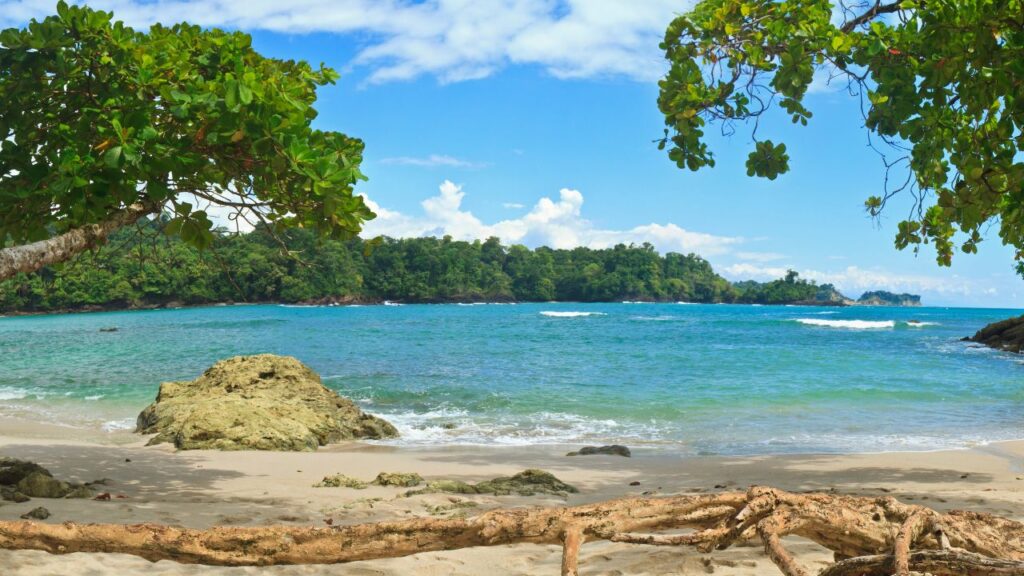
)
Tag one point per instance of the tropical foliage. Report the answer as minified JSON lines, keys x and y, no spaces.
{"x":97,"y":118}
{"x":786,"y":290}
{"x":149,"y":269}
{"x":940,"y":84}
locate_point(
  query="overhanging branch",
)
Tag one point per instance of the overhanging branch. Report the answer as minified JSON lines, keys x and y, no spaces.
{"x":31,"y":257}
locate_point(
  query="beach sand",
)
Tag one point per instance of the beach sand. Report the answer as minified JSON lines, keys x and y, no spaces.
{"x":201,"y":489}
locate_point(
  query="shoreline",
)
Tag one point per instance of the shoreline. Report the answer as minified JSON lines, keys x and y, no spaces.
{"x":27,"y":429}
{"x":323,"y":303}
{"x":250,"y":488}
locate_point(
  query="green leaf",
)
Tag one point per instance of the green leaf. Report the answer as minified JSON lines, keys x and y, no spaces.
{"x":113,"y":157}
{"x":244,"y":94}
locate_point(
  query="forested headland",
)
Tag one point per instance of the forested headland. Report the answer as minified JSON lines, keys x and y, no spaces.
{"x":142,"y":268}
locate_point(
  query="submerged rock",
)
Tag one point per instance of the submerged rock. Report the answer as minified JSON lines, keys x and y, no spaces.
{"x":405,"y":480}
{"x":1005,"y":335}
{"x":262,"y":402}
{"x":526,"y":483}
{"x":612,"y":450}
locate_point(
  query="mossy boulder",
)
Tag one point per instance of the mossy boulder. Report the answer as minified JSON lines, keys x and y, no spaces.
{"x":13,"y":470}
{"x":41,"y":485}
{"x":612,"y":450}
{"x":404,"y":480}
{"x":262,"y":402}
{"x":21,"y":480}
{"x":39,"y":513}
{"x":340,"y":481}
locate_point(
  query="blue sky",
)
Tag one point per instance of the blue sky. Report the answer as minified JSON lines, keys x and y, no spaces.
{"x":534,"y":120}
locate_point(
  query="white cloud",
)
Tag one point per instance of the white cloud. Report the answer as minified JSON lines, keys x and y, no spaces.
{"x":432,"y":161}
{"x":513,"y":205}
{"x":453,"y":40}
{"x":760,"y":256}
{"x":555,"y":223}
{"x":854,"y":280}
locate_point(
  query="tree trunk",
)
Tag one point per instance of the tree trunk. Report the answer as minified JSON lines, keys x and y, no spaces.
{"x":868,"y":535}
{"x":31,"y":257}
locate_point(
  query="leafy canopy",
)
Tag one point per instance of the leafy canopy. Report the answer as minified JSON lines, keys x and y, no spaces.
{"x":95,"y":116}
{"x":941,"y":84}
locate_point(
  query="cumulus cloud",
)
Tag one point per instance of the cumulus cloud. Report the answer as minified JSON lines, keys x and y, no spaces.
{"x":558,"y":223}
{"x":854,"y":280}
{"x":432,"y":161}
{"x":453,"y":40}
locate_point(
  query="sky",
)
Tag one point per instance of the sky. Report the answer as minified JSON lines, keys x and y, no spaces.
{"x":536,"y":120}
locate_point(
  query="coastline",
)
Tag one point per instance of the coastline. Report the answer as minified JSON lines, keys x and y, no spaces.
{"x":207,"y":488}
{"x":361,"y":301}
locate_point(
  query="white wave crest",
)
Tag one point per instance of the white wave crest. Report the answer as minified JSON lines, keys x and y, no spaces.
{"x":848,"y":324}
{"x":115,"y":425}
{"x":919,"y":324}
{"x":560,"y":314}
{"x":13,"y":393}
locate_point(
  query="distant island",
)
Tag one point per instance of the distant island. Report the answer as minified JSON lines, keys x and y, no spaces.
{"x":883,"y":298}
{"x":149,"y":270}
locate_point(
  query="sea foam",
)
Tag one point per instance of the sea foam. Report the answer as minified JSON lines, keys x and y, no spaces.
{"x":849,"y":324}
{"x":13,"y":393}
{"x":560,"y":314}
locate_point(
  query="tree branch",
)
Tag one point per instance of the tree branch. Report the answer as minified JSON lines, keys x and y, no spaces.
{"x":31,"y":257}
{"x":875,"y":10}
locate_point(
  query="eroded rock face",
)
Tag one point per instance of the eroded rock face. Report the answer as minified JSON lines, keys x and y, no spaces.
{"x":262,"y":402}
{"x":1004,"y":335}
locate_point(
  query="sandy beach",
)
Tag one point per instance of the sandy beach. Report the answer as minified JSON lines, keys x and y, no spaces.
{"x":204,"y":488}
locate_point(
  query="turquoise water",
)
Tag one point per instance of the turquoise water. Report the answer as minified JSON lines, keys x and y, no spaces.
{"x":698,"y":379}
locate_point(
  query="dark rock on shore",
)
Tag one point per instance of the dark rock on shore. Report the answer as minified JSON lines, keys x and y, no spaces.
{"x":39,"y":513}
{"x":1005,"y":335}
{"x":21,"y":480}
{"x":262,"y":402}
{"x":526,"y":483}
{"x":612,"y":450}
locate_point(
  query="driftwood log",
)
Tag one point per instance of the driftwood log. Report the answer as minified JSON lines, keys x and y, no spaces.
{"x":869,"y":536}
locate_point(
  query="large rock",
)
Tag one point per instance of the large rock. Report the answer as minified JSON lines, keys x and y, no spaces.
{"x":262,"y":402}
{"x":1004,"y":335}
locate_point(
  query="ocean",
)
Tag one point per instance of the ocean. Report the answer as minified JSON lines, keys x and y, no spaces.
{"x":688,"y":378}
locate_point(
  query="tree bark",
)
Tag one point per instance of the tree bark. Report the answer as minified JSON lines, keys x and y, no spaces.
{"x":868,"y":535}
{"x":31,"y":257}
